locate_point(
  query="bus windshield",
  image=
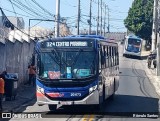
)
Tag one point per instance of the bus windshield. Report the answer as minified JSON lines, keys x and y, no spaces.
{"x":59,"y":64}
{"x":135,"y":42}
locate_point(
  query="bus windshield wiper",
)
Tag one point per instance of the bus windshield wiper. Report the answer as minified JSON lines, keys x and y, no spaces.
{"x":58,"y":57}
{"x":76,"y":57}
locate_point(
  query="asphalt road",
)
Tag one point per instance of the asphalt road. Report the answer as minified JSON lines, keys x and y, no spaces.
{"x":135,"y":95}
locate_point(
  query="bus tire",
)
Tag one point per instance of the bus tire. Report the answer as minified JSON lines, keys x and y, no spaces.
{"x":52,"y":107}
{"x":98,"y":106}
{"x":114,"y":86}
{"x":104,"y":93}
{"x":40,"y":104}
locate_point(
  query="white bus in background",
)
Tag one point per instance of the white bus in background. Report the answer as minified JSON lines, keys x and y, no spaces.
{"x":132,"y":46}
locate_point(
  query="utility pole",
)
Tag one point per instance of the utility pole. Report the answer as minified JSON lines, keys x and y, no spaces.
{"x":101,"y":19}
{"x":98,"y":19}
{"x":105,"y":20}
{"x":90,"y":17}
{"x":78,"y":20}
{"x":108,"y":19}
{"x":154,"y":27}
{"x":158,"y":39}
{"x":57,"y":18}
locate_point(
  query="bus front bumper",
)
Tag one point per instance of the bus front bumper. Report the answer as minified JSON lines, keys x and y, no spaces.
{"x":92,"y":98}
{"x":132,"y":53}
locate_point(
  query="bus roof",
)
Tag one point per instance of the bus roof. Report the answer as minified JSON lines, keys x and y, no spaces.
{"x":88,"y":36}
{"x":133,"y":36}
{"x":65,"y":39}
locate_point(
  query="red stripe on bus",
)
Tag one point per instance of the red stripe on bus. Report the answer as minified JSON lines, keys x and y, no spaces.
{"x":39,"y":94}
{"x":55,"y":94}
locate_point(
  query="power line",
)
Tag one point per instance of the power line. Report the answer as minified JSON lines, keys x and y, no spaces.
{"x":6,"y":19}
{"x":17,"y":2}
{"x":13,"y":8}
{"x":16,"y":12}
{"x":43,"y":8}
{"x":35,"y":8}
{"x":19,"y":7}
{"x":66,"y":2}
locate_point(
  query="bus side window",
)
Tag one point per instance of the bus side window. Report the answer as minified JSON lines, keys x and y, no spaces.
{"x":117,"y":59}
{"x":102,"y":57}
{"x":110,"y":62}
{"x":111,"y":56}
{"x":115,"y":55}
{"x":114,"y":52}
{"x":106,"y":57}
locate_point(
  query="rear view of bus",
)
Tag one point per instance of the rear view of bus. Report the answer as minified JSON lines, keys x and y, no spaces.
{"x":132,"y":46}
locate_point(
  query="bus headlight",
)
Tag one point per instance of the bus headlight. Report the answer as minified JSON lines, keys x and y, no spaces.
{"x":91,"y":89}
{"x":40,"y":89}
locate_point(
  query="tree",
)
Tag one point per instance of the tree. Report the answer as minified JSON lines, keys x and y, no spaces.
{"x":140,"y":18}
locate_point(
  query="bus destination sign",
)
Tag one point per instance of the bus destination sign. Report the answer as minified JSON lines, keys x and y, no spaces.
{"x":65,"y":44}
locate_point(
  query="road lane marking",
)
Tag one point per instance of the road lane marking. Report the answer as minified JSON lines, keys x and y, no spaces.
{"x":88,"y":118}
{"x":91,"y":118}
{"x":85,"y":117}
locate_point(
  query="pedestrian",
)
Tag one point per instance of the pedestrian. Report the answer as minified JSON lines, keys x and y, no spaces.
{"x":154,"y":63}
{"x":32,"y":74}
{"x":2,"y":83}
{"x":149,"y":60}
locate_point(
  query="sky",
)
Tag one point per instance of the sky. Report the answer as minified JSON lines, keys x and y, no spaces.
{"x":118,"y":11}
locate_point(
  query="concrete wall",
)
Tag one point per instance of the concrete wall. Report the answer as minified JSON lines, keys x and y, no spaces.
{"x":14,"y":57}
{"x":116,"y":35}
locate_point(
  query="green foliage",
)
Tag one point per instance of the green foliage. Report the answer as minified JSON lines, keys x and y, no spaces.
{"x":140,"y":18}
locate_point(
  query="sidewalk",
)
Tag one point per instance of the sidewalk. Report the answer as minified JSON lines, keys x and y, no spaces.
{"x":24,"y":95}
{"x":151,"y":73}
{"x":145,"y":53}
{"x":155,"y":80}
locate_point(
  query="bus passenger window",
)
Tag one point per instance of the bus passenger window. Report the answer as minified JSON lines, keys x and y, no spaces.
{"x":104,"y":50}
{"x":102,"y":58}
{"x":111,"y":59}
{"x":109,"y":56}
{"x":114,"y":56}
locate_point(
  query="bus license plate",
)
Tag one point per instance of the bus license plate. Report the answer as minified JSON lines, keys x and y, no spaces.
{"x":66,"y":103}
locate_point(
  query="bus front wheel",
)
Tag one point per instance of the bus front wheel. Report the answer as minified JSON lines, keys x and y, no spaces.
{"x":114,"y":86}
{"x":100,"y":105}
{"x":52,"y":107}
